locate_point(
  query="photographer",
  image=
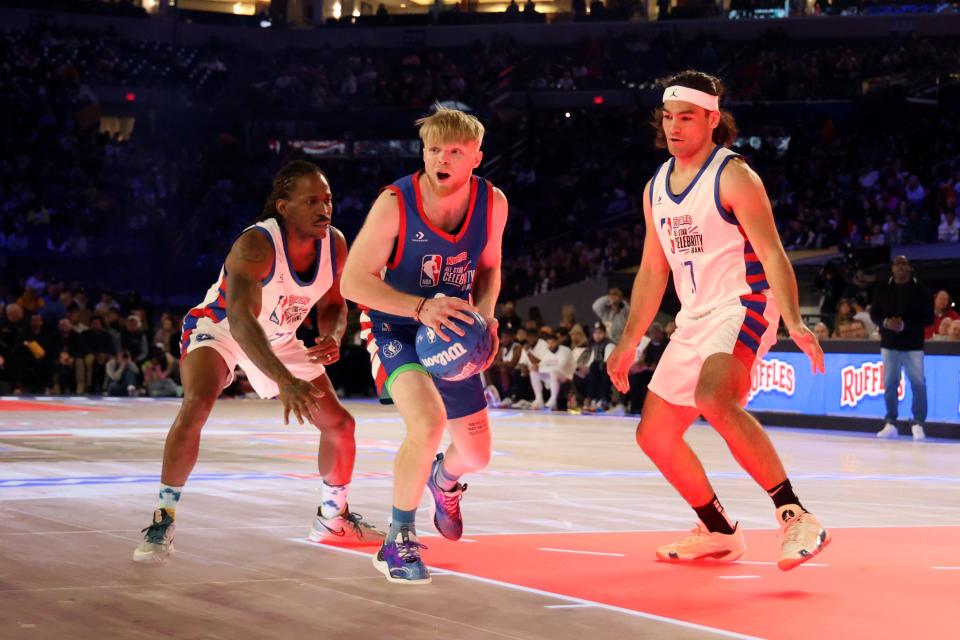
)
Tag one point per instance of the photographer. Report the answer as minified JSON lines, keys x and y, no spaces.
{"x":121,"y":375}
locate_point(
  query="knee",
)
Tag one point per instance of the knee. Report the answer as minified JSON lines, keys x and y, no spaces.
{"x":342,"y":425}
{"x":477,"y":457}
{"x":646,"y":439}
{"x":195,"y":410}
{"x":427,"y":433}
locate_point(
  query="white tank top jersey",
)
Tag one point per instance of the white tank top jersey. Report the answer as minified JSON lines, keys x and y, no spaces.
{"x":286,"y":299}
{"x":711,"y":259}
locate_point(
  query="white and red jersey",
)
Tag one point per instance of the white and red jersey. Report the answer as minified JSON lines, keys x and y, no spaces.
{"x":711,"y":258}
{"x":285,"y":300}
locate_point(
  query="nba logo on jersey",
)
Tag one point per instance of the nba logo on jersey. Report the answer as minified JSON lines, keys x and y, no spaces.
{"x":430,"y":270}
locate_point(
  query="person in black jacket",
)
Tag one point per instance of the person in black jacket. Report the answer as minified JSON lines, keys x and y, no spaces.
{"x":902,"y":307}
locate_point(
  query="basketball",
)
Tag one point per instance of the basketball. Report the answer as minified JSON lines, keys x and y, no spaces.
{"x":460,"y":358}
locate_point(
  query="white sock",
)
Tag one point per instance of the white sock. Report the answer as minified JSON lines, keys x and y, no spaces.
{"x":169,"y":497}
{"x":334,"y":500}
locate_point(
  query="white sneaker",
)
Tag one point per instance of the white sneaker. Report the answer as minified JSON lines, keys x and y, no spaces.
{"x":618,"y":410}
{"x":803,"y":536}
{"x":346,"y":526}
{"x":537,"y":405}
{"x":889,"y":431}
{"x":918,"y":433}
{"x":157,"y":543}
{"x":705,"y":545}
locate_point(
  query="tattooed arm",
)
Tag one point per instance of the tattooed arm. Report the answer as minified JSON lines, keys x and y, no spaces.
{"x":249,"y":262}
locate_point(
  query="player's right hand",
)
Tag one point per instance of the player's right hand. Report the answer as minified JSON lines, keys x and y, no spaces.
{"x":808,"y":343}
{"x":439,"y":314}
{"x":618,"y":366}
{"x":300,"y":397}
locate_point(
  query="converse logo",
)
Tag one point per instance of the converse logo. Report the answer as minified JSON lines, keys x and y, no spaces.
{"x":419,"y":237}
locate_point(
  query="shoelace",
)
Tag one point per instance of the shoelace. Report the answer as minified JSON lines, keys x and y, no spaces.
{"x":409,"y":550}
{"x":356,"y":521}
{"x":698,"y":532}
{"x":156,"y":532}
{"x":451,"y":499}
{"x":791,"y":529}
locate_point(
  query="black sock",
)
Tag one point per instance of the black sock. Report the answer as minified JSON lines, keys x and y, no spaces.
{"x":783,"y":494}
{"x":711,"y":515}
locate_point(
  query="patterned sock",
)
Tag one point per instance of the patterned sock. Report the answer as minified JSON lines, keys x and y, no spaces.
{"x":783,"y":494}
{"x":401,"y":518}
{"x":169,"y":497}
{"x":334,"y":499}
{"x":444,"y":479}
{"x":713,"y":517}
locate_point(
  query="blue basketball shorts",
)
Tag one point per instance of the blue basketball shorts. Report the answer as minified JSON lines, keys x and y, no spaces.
{"x":392,"y":351}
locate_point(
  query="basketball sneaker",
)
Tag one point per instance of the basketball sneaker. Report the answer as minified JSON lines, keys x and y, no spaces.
{"x":399,"y":559}
{"x":705,"y":545}
{"x":157,"y":543}
{"x":889,"y":431}
{"x":446,"y":504}
{"x":803,"y":536}
{"x":918,"y":433}
{"x":347,"y":526}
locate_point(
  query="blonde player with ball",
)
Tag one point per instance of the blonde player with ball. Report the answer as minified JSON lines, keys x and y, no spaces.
{"x":709,"y":223}
{"x":429,"y":254}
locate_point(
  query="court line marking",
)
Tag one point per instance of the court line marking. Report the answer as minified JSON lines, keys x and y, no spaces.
{"x":570,"y":599}
{"x":585,"y":553}
{"x":805,"y":564}
{"x":567,"y":606}
{"x":737,"y":577}
{"x":946,"y":568}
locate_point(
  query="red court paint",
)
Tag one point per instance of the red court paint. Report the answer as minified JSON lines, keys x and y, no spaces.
{"x":27,"y":405}
{"x":878,"y":583}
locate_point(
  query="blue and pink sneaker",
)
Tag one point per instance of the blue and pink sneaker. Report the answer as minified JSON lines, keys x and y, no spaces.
{"x":399,"y":559}
{"x":446,"y":504}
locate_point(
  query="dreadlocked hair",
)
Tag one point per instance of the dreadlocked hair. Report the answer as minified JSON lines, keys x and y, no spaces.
{"x":725,"y":133}
{"x":283,"y":184}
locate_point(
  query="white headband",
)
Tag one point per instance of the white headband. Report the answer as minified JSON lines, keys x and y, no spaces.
{"x":693,"y":96}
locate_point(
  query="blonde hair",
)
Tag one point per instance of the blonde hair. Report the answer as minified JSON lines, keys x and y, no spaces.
{"x":450,"y":125}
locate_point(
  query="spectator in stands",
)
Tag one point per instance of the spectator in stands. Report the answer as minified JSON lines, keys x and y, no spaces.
{"x":942,"y":308}
{"x":134,"y":340}
{"x":955,"y":331}
{"x":902,"y":307}
{"x":822,"y":331}
{"x":501,"y":371}
{"x":943,"y":329}
{"x":552,"y":367}
{"x":40,"y":357}
{"x":842,"y":317}
{"x":100,"y":348}
{"x":508,"y":317}
{"x":121,"y":375}
{"x":568,"y":317}
{"x":613,"y":311}
{"x":158,"y":375}
{"x":12,"y":350}
{"x":595,"y":384}
{"x":949,"y":229}
{"x":861,"y":313}
{"x":168,"y":334}
{"x":70,"y":362}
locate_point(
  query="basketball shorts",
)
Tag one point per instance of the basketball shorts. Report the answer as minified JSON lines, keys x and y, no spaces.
{"x":745,"y":328}
{"x":215,"y":335}
{"x":392,"y":351}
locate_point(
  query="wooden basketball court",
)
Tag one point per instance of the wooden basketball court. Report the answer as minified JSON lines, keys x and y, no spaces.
{"x":559,"y":540}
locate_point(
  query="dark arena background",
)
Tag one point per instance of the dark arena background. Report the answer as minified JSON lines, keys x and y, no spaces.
{"x":140,"y":138}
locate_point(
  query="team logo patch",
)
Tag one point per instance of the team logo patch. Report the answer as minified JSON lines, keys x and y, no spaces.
{"x":204,"y":336}
{"x":391,"y":349}
{"x":430,"y":270}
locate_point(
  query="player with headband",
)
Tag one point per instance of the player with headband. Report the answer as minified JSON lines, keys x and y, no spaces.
{"x":709,"y":223}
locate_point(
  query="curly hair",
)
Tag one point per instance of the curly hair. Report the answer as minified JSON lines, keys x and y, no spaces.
{"x":725,"y":133}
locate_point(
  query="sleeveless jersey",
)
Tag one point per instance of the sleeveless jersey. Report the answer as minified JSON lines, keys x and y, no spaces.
{"x":709,"y":254}
{"x":286,"y":299}
{"x":428,"y":261}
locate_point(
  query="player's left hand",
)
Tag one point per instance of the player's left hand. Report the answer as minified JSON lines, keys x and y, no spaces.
{"x":492,"y":327}
{"x":808,"y":343}
{"x":326,"y":352}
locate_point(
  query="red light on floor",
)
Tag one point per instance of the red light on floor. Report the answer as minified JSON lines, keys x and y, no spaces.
{"x":132,"y":97}
{"x":597,"y":99}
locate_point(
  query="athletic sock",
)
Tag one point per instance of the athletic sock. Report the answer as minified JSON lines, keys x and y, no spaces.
{"x":444,"y":479}
{"x":169,"y":497}
{"x":783,"y":494}
{"x":334,"y":500}
{"x":713,"y":517}
{"x":400,"y":518}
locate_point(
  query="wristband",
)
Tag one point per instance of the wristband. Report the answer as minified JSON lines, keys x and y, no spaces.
{"x":416,"y":312}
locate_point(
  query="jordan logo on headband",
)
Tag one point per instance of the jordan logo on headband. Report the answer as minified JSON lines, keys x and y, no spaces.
{"x":693,"y":96}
